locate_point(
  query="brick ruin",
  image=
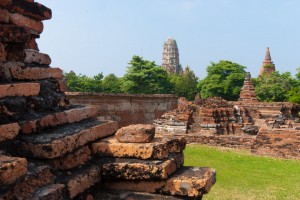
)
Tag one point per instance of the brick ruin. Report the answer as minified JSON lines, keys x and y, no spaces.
{"x":271,"y":129}
{"x":51,"y":149}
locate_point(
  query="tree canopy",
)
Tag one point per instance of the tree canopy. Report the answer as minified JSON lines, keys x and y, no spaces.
{"x":224,"y":79}
{"x":145,"y":77}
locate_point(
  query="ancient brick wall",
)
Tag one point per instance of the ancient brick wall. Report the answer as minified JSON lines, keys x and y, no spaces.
{"x":127,"y":109}
{"x":278,"y":143}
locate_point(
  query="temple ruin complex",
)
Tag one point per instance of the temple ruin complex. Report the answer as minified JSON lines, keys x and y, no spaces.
{"x":51,"y":149}
{"x":170,"y":57}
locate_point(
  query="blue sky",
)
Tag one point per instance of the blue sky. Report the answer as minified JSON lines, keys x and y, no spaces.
{"x":94,"y":36}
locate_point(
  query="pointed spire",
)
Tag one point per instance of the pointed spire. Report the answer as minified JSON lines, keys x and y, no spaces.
{"x":268,"y":55}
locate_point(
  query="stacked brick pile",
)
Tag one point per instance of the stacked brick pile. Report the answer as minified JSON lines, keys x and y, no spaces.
{"x":248,"y":90}
{"x":50,"y":149}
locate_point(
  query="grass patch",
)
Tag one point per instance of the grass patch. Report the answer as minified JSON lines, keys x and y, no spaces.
{"x":241,"y":175}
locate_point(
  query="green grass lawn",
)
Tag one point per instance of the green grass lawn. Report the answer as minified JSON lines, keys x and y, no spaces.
{"x":241,"y":175}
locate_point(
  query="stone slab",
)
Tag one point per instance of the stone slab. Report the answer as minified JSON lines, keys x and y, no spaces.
{"x":13,"y":33}
{"x":35,"y":57}
{"x":137,"y":133}
{"x":19,"y":89}
{"x":42,"y":121}
{"x":9,"y":131}
{"x":35,"y":73}
{"x":63,"y":139}
{"x":30,"y":9}
{"x":20,"y":20}
{"x":71,"y":160}
{"x":11,"y":169}
{"x":191,"y":182}
{"x":159,"y":148}
{"x":37,"y":176}
{"x":132,"y":169}
{"x":50,"y":192}
{"x":80,"y":179}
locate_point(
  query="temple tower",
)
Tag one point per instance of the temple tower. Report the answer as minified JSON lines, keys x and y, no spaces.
{"x":170,"y":57}
{"x":248,"y":90}
{"x":268,"y":66}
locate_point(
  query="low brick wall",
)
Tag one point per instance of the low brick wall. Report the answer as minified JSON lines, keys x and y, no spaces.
{"x":240,"y":142}
{"x":127,"y":109}
{"x":278,"y":143}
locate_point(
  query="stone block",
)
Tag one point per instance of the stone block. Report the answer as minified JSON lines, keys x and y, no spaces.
{"x":20,"y":20}
{"x":9,"y":131}
{"x":71,"y":160}
{"x":29,"y":8}
{"x":12,"y":33}
{"x":64,"y":139}
{"x":80,"y":179}
{"x":37,"y":176}
{"x":190,"y":182}
{"x":132,"y":169}
{"x":138,"y":133}
{"x":35,"y":73}
{"x":62,"y":85}
{"x":33,"y":56}
{"x":159,"y":148}
{"x":50,"y":192}
{"x":11,"y":169}
{"x":19,"y":89}
{"x":2,"y":52}
{"x":4,"y":16}
{"x":50,"y":120}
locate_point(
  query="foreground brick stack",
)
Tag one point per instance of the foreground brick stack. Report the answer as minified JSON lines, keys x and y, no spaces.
{"x":52,"y":150}
{"x":248,"y":90}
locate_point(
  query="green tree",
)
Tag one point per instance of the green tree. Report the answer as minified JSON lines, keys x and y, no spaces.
{"x":83,"y":83}
{"x":111,"y":84}
{"x":185,"y":85}
{"x":224,"y":79}
{"x":274,"y":87}
{"x":145,"y":77}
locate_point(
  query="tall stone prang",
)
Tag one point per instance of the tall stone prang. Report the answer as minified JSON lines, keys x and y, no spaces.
{"x":248,"y":90}
{"x":170,"y":57}
{"x":50,"y":149}
{"x":268,"y":66}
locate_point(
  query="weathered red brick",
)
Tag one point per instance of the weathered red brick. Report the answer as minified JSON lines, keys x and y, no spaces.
{"x":132,"y":169}
{"x":191,"y":182}
{"x":19,"y":89}
{"x":35,"y":73}
{"x":9,"y":131}
{"x":50,"y":192}
{"x":11,"y":169}
{"x":64,"y":139}
{"x":137,"y":133}
{"x":71,"y":160}
{"x":62,"y":85}
{"x":2,"y":52}
{"x":20,"y":20}
{"x":4,"y":16}
{"x":33,"y":56}
{"x":5,"y":3}
{"x":81,"y":179}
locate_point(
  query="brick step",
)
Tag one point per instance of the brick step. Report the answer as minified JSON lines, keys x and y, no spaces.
{"x":37,"y":176}
{"x":34,"y":10}
{"x":63,"y":139}
{"x":9,"y":131}
{"x":159,"y":148}
{"x":131,"y":169}
{"x":19,"y":89}
{"x":50,"y":192}
{"x":80,"y":179}
{"x":20,"y":71}
{"x":11,"y":170}
{"x":190,"y":182}
{"x":40,"y":121}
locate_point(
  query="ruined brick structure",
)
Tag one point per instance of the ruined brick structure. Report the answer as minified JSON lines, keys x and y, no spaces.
{"x":50,"y":149}
{"x":268,"y":66}
{"x":248,"y":90}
